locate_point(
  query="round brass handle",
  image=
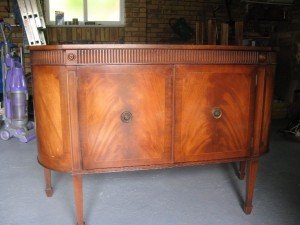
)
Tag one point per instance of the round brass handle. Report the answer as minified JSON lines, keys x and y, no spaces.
{"x":126,"y":117}
{"x":217,"y":113}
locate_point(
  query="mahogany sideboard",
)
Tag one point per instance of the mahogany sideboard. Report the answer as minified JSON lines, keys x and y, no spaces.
{"x":104,"y":108}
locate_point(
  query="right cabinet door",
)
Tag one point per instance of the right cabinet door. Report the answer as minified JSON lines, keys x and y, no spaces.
{"x":213,"y":112}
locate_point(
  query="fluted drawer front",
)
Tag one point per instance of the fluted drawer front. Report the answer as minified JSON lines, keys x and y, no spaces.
{"x":214,"y":110}
{"x":125,"y":115}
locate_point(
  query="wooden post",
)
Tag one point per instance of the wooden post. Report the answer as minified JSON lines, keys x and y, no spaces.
{"x":239,"y":32}
{"x":77,"y":183}
{"x":212,"y":32}
{"x":199,"y":33}
{"x":251,"y":178}
{"x":224,"y":33}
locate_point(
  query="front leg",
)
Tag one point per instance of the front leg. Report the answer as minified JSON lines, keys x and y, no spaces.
{"x":77,"y":184}
{"x":48,"y":189}
{"x":251,"y":178}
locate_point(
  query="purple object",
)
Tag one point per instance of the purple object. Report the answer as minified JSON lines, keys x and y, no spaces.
{"x":15,"y":89}
{"x":16,"y":74}
{"x":15,"y":94}
{"x":30,"y":135}
{"x":15,"y":102}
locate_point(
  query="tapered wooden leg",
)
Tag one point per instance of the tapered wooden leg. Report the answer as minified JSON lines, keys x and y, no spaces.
{"x":77,"y":183}
{"x":242,"y":170}
{"x":48,"y":189}
{"x":251,"y":178}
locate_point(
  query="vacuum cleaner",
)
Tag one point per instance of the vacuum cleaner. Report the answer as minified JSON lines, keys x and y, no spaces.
{"x":15,"y":93}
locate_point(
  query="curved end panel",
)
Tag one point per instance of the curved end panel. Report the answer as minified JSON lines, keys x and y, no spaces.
{"x":53,"y":164}
{"x":268,"y":97}
{"x":51,"y":127}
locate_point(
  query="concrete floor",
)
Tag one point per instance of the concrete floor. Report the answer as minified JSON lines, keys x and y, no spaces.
{"x":200,"y":195}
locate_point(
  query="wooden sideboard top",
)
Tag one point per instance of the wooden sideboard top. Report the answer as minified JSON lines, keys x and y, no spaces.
{"x":92,"y":54}
{"x":147,"y":46}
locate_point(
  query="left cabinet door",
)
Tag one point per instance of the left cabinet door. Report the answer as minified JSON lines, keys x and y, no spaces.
{"x":125,"y":115}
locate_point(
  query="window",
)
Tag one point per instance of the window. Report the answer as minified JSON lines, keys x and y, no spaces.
{"x":92,"y":12}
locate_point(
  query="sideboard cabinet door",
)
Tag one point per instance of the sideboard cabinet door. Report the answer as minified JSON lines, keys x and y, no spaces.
{"x":214,"y":112}
{"x":125,"y":115}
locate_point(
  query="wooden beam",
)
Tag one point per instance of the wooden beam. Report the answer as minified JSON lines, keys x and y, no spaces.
{"x":212,"y":32}
{"x":199,"y":33}
{"x":224,"y":33}
{"x":239,"y":32}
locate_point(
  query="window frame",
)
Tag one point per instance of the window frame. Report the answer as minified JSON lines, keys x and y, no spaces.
{"x":120,"y":23}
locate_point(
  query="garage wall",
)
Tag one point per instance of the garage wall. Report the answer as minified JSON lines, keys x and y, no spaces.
{"x":17,"y":35}
{"x":17,"y":32}
{"x":287,"y":38}
{"x":133,"y":32}
{"x":147,"y":21}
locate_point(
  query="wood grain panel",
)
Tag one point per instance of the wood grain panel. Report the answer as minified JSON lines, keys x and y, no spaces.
{"x":259,"y":110}
{"x":199,"y":89}
{"x":268,"y":95}
{"x":50,"y":111}
{"x":72,"y":87}
{"x":108,"y":91}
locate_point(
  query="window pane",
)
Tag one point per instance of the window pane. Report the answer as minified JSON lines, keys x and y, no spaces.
{"x":103,"y":10}
{"x":71,"y":8}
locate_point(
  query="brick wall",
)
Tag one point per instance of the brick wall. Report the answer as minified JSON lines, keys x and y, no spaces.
{"x":3,"y":9}
{"x":147,"y":21}
{"x":17,"y":31}
{"x":287,"y":37}
{"x":133,"y":32}
{"x":159,"y":12}
{"x":84,"y":34}
{"x":136,"y":19}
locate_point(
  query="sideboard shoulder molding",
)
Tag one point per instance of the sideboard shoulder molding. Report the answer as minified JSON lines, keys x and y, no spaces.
{"x":152,"y":56}
{"x":54,"y":57}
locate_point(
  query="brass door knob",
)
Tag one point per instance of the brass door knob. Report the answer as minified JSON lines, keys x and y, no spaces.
{"x":217,"y":113}
{"x":126,"y":117}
